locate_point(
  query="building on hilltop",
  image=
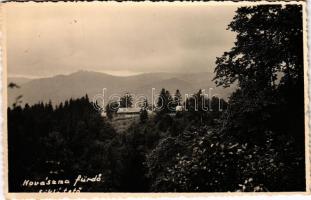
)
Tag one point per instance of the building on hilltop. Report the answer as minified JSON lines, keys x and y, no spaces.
{"x":127,"y":112}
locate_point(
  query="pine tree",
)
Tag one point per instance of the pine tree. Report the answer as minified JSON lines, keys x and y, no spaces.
{"x":145,"y":104}
{"x":161,"y":100}
{"x":177,"y":98}
{"x":111,"y":108}
{"x":164,"y":102}
{"x":143,"y":115}
{"x":126,"y":101}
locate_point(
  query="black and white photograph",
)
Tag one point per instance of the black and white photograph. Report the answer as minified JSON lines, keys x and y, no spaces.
{"x":155,"y":97}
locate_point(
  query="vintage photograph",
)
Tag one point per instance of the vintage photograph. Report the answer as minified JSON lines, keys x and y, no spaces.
{"x":155,"y":97}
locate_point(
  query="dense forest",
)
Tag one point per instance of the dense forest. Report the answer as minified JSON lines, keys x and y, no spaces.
{"x":255,"y":143}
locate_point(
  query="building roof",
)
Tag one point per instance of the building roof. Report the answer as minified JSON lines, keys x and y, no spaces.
{"x":179,"y":108}
{"x":128,"y":110}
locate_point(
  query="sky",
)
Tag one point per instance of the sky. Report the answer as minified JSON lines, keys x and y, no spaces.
{"x":46,"y":39}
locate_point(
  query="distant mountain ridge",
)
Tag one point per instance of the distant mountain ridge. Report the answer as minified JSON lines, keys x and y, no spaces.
{"x":63,"y":87}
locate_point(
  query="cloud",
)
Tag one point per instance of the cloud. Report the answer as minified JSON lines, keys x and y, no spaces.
{"x":46,"y":39}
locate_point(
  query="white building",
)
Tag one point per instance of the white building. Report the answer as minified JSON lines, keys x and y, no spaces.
{"x":179,"y":108}
{"x":127,"y":112}
{"x":124,"y":113}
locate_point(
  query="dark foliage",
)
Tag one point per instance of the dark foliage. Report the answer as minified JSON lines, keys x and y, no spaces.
{"x":72,"y":137}
{"x":143,"y":115}
{"x":126,"y":101}
{"x":202,"y":160}
{"x":111,"y":108}
{"x":259,"y":145}
{"x":267,"y":64}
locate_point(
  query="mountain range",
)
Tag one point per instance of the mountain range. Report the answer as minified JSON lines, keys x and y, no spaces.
{"x":63,"y":87}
